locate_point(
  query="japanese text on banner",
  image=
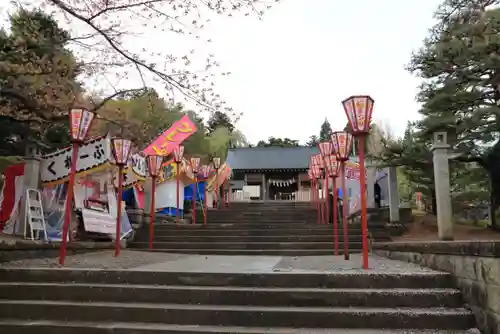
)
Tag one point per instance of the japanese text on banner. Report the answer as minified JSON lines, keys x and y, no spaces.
{"x":172,"y":137}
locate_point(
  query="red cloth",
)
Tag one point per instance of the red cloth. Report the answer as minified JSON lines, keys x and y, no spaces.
{"x":9,"y":191}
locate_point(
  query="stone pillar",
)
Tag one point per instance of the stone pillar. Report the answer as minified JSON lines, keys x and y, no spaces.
{"x":148,"y":187}
{"x":392,"y":180}
{"x":31,"y":181}
{"x":371,"y":172}
{"x":442,"y":184}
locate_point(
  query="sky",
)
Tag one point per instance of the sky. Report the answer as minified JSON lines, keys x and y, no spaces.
{"x":291,"y":69}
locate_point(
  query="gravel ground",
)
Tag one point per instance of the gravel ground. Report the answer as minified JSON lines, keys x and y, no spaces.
{"x":337,"y":263}
{"x":100,"y":260}
{"x":129,"y":259}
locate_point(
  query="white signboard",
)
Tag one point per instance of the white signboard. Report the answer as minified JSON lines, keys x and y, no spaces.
{"x":56,"y":166}
{"x":100,"y":222}
{"x":166,"y":195}
{"x":139,"y":165}
{"x":136,"y":171}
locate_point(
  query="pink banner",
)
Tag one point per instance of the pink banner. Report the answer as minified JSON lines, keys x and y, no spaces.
{"x":171,"y":138}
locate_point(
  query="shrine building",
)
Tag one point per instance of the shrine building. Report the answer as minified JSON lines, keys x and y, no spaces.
{"x":270,"y":173}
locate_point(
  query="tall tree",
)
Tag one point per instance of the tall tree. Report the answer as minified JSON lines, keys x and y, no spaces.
{"x":37,"y":81}
{"x":219,"y":119}
{"x":313,"y":141}
{"x":108,"y":36}
{"x":283,"y":142}
{"x":326,"y":130}
{"x":459,"y":62}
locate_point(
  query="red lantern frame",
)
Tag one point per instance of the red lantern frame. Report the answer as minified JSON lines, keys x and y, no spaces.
{"x":342,"y":144}
{"x":359,"y":109}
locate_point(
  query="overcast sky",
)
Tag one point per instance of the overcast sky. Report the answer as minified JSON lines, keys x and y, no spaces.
{"x":293,"y":68}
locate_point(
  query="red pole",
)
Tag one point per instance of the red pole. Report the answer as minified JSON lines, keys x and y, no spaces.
{"x":223,"y":194}
{"x":119,"y":210}
{"x":217,"y":187}
{"x":345,"y":210}
{"x":335,"y":213}
{"x":321,"y":204}
{"x":68,"y":205}
{"x":152,"y":213}
{"x":311,"y":194}
{"x":205,"y":202}
{"x":362,"y":184}
{"x":195,"y":186}
{"x":316,"y":197}
{"x":177,"y":191}
{"x":327,"y":204}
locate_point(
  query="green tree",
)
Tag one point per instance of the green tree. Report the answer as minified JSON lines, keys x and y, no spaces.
{"x":459,"y":62}
{"x":37,"y":82}
{"x":326,"y":130}
{"x":107,"y":24}
{"x":219,"y":119}
{"x":283,"y":142}
{"x":313,"y":141}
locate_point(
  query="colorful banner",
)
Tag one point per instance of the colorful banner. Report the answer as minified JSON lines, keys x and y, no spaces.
{"x":172,"y":137}
{"x":224,"y":173}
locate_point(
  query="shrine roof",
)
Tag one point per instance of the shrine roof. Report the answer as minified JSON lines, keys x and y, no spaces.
{"x":270,"y":158}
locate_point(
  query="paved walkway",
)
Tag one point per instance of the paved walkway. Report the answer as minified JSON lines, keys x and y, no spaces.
{"x":137,"y":260}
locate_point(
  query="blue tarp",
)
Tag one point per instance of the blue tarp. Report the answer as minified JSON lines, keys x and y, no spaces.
{"x":128,"y":197}
{"x":188,"y":192}
{"x":171,"y":211}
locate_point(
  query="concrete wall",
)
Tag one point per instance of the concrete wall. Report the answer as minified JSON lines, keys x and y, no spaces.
{"x":475,"y":266}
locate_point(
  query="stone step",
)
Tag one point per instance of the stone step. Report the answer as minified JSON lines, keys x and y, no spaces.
{"x":260,"y":316}
{"x":296,"y":297}
{"x":55,"y":327}
{"x":243,"y":245}
{"x":245,"y":238}
{"x":257,"y":252}
{"x":259,"y":226}
{"x":333,"y":280}
{"x":245,"y":232}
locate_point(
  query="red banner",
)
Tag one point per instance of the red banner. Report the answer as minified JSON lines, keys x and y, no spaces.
{"x":172,"y":137}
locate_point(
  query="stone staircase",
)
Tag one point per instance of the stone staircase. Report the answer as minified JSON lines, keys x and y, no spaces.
{"x":266,"y":228}
{"x":81,"y":301}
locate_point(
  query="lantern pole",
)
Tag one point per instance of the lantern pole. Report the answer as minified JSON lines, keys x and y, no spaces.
{"x":335,"y":218}
{"x":362,"y":184}
{"x":217,"y":187}
{"x":205,"y":173}
{"x":80,"y":123}
{"x":332,"y":171}
{"x":205,"y":206}
{"x":121,"y":151}
{"x":327,"y":203}
{"x":178,"y":155}
{"x":154,"y":163}
{"x":342,"y":143}
{"x":216,"y":164}
{"x":152,"y":212}
{"x":316,"y":197}
{"x":119,"y":210}
{"x":195,"y":186}
{"x":359,"y":110}
{"x":345,"y":210}
{"x":195,"y":165}
{"x":177,"y":192}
